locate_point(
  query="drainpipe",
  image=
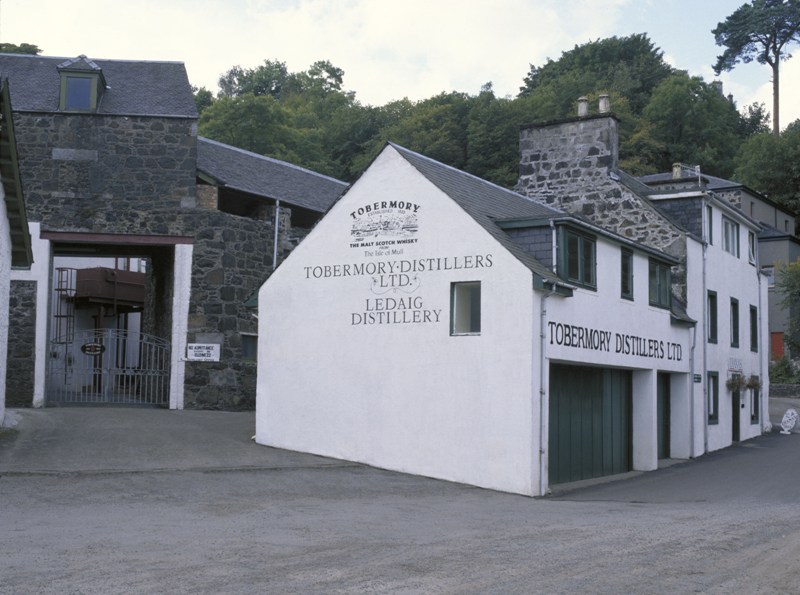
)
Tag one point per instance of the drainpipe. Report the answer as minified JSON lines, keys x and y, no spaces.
{"x":277,"y":227}
{"x":763,"y":405}
{"x":706,"y":225}
{"x":544,"y":402}
{"x":691,"y":392}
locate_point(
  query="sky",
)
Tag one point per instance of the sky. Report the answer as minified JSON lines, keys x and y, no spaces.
{"x":389,"y":49}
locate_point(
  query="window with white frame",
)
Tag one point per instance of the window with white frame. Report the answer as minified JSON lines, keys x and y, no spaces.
{"x":730,"y":236}
{"x":752,"y":247}
{"x":709,"y":224}
{"x":465,"y":308}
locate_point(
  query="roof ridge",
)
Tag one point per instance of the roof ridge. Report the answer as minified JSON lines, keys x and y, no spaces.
{"x":461,"y":172}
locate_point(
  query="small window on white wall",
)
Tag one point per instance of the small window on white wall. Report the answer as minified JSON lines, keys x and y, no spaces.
{"x":465,"y":308}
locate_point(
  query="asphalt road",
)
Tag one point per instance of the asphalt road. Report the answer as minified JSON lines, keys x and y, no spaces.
{"x":190,"y":519}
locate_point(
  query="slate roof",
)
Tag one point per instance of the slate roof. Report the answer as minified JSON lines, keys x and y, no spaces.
{"x":134,"y":88}
{"x":21,"y":255}
{"x":263,"y":176}
{"x":485,"y":202}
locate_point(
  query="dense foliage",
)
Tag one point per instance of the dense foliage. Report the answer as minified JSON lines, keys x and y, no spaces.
{"x":23,"y":48}
{"x":665,"y":116}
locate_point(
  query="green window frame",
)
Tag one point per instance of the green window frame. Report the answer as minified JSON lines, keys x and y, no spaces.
{"x":660,"y":282}
{"x":713,"y":397}
{"x":734,"y":322}
{"x":710,"y":224}
{"x":78,"y":92}
{"x":712,"y":317}
{"x":465,"y":308}
{"x":626,"y":274}
{"x":577,"y":262}
{"x":755,"y":404}
{"x":753,"y":328}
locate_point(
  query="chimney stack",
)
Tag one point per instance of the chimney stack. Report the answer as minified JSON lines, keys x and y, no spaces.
{"x":583,"y":107}
{"x":677,"y":171}
{"x":604,"y":105}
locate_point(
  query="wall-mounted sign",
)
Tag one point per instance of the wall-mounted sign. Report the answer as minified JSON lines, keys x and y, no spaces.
{"x":204,"y":352}
{"x":93,"y":348}
{"x":698,"y":378}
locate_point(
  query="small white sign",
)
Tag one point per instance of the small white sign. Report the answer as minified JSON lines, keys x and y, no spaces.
{"x":206,"y":352}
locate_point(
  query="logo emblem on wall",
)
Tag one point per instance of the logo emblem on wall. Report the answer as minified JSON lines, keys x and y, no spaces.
{"x":393,"y":221}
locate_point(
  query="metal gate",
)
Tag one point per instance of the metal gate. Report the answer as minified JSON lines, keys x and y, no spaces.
{"x":108,"y":366}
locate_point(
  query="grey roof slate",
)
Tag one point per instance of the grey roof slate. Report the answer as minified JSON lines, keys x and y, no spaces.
{"x":263,"y":176}
{"x":134,"y":88}
{"x":485,"y":202}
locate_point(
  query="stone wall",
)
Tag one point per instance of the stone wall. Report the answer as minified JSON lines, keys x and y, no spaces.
{"x":784,"y":390}
{"x":571,"y":165}
{"x":232,"y":258}
{"x":21,"y":343}
{"x":102,"y":173}
{"x":137,"y":175}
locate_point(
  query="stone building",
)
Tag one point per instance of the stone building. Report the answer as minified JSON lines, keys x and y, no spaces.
{"x":151,"y":239}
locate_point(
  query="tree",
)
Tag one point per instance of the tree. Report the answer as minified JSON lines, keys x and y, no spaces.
{"x":771,"y":165}
{"x":23,"y":48}
{"x":693,"y":123}
{"x":760,"y":30}
{"x":202,"y":98}
{"x":787,"y":282}
{"x":631,"y":66}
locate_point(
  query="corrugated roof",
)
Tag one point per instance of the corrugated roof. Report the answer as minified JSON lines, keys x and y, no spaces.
{"x":134,"y":88}
{"x":485,"y":202}
{"x":263,"y":176}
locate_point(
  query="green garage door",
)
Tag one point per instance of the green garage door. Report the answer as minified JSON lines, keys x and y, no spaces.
{"x":590,"y":422}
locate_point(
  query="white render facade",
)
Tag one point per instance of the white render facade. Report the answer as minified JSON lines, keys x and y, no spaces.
{"x":435,"y":324}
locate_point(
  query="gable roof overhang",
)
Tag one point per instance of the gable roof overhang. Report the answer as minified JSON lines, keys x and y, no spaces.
{"x":486,"y":202}
{"x":583,"y":224}
{"x":21,"y":252}
{"x":265,"y":178}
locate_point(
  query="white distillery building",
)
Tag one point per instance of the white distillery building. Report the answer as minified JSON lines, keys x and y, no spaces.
{"x":436,"y":324}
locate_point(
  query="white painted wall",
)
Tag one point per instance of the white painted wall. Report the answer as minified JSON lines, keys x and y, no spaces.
{"x":407,"y":397}
{"x":639,"y":337}
{"x":181,"y":292}
{"x":628,"y":324}
{"x":730,"y":277}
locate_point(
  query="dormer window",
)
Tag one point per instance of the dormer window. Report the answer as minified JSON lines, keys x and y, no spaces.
{"x":82,"y":84}
{"x":78,"y":93}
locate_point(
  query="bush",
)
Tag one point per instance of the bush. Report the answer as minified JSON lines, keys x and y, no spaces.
{"x":783,"y":371}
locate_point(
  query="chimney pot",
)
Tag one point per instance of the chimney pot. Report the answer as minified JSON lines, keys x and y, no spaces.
{"x":677,"y":173}
{"x":604,"y":105}
{"x":583,"y":107}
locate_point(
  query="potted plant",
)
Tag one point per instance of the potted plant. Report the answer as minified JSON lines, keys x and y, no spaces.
{"x":736,"y":382}
{"x":754,"y":382}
